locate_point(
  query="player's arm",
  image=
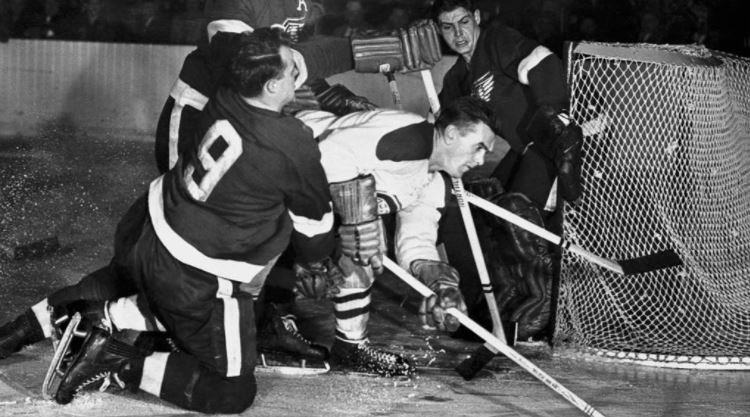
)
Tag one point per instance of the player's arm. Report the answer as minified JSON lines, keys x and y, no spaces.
{"x":415,"y":244}
{"x":551,"y":128}
{"x":309,"y":205}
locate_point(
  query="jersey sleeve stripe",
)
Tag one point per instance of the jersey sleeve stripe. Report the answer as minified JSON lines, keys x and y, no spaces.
{"x":532,"y":60}
{"x":187,"y":253}
{"x":311,"y":227}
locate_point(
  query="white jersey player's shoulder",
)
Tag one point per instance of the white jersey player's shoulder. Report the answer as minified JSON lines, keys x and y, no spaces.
{"x":321,"y":121}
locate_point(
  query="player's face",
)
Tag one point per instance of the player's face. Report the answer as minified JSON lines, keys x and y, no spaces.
{"x":290,"y":73}
{"x":467,"y":150}
{"x":460,"y":30}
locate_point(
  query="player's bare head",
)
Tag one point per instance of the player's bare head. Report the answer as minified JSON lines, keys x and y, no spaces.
{"x":445,"y":6}
{"x":458,"y":21}
{"x":465,"y":131}
{"x":257,"y":60}
{"x":465,"y":113}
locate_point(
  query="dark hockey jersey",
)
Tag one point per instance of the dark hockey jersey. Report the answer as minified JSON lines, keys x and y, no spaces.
{"x":249,"y":183}
{"x":511,"y":72}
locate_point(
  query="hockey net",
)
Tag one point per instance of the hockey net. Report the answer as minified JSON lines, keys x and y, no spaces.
{"x":666,"y":168}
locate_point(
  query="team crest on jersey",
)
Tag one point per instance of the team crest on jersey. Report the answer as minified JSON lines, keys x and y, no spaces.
{"x":387,"y":203}
{"x":483,"y":87}
{"x":293,"y":25}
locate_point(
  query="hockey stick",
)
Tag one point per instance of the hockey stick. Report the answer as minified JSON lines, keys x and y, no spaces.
{"x":495,"y":342}
{"x":469,"y":367}
{"x":543,"y":233}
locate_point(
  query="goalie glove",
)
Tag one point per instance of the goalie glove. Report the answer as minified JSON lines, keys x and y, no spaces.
{"x":339,"y":100}
{"x":318,"y":280}
{"x":443,"y":280}
{"x":561,"y":139}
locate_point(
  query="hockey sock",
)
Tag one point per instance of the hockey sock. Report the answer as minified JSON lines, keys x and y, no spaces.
{"x":39,"y":314}
{"x":352,"y":311}
{"x":125,"y":314}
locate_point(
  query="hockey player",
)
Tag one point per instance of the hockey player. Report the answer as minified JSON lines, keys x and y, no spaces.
{"x":316,"y":58}
{"x":524,"y":83}
{"x":215,"y":225}
{"x":386,"y":163}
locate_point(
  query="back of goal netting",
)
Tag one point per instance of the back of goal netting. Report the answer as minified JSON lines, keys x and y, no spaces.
{"x":666,"y":172}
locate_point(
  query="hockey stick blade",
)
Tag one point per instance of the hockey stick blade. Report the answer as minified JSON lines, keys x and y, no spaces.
{"x":506,"y":350}
{"x":470,"y":367}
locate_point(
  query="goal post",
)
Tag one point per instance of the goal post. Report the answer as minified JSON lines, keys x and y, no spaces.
{"x":666,"y":168}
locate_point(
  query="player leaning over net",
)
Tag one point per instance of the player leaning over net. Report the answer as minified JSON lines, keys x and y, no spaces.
{"x":199,"y":246}
{"x":524,"y":84}
{"x":386,"y":165}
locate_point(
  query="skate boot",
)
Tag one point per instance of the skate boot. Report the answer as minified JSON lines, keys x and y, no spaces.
{"x":101,"y":361}
{"x":280,"y":343}
{"x":23,"y":331}
{"x":362,"y":357}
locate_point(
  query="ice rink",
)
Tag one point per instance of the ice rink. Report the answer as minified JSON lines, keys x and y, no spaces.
{"x":69,"y":184}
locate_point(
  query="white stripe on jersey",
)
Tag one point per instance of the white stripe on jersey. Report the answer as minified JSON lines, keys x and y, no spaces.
{"x":227,"y":25}
{"x":187,"y":253}
{"x":311,"y":227}
{"x":232,"y":339}
{"x":154,"y":367}
{"x":183,"y":95}
{"x":527,"y":64}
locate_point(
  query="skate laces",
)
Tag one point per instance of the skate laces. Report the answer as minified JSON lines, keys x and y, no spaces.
{"x":107,"y":378}
{"x":291,"y":326}
{"x":377,"y":354}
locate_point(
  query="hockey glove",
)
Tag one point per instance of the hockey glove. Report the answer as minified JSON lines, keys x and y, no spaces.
{"x":318,"y":280}
{"x":561,"y":139}
{"x":443,"y":280}
{"x":363,"y":243}
{"x":339,"y":100}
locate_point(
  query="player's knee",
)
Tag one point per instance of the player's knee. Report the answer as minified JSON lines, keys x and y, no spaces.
{"x":224,"y":395}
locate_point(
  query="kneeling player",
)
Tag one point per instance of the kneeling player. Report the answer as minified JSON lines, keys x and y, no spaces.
{"x":210,"y":230}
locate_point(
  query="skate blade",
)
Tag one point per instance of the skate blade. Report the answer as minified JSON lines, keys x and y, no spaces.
{"x":290,"y":370}
{"x":56,"y":370}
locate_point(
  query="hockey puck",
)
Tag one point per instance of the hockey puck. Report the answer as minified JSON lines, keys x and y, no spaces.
{"x":36,"y":249}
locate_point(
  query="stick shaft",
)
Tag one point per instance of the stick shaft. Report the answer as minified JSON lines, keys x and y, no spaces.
{"x":429,"y":87}
{"x":543,"y":233}
{"x":495,"y":342}
{"x":476,"y":251}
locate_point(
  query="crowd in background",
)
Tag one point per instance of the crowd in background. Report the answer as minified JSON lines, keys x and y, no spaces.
{"x":718,"y":24}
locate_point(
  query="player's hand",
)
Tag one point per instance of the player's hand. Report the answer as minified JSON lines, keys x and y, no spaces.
{"x":443,"y":280}
{"x":363,"y":243}
{"x":339,"y":100}
{"x":318,"y":280}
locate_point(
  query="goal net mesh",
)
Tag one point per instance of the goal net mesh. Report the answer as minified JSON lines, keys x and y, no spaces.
{"x":666,"y":167}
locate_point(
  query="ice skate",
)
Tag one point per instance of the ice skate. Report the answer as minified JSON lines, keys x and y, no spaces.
{"x":364,"y":358}
{"x":98,"y":364}
{"x":283,"y":349}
